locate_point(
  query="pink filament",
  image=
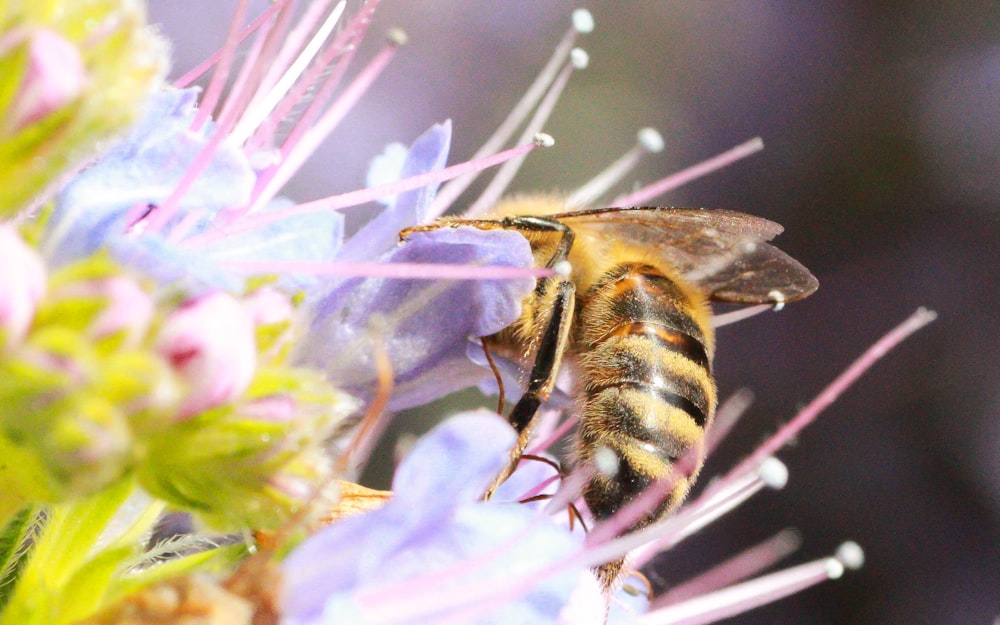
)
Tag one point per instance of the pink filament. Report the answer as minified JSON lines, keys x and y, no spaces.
{"x":644,"y":195}
{"x":404,"y":271}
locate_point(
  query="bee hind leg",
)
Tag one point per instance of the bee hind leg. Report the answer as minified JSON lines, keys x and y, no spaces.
{"x":556,"y":296}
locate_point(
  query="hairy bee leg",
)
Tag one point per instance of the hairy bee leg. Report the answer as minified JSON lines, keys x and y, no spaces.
{"x":543,"y":375}
{"x":547,"y":358}
{"x":552,"y":340}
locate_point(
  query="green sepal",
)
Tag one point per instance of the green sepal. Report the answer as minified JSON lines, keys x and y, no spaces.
{"x":16,"y":541}
{"x":65,"y":579}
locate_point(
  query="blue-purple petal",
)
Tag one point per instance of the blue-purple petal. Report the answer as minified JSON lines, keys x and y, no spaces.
{"x":428,"y":153}
{"x":422,"y":324}
{"x":478,"y":442}
{"x":168,"y":264}
{"x":434,"y":525}
{"x":309,"y":237}
{"x":144,"y":169}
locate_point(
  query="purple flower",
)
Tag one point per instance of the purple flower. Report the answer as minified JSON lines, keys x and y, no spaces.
{"x":108,"y":204}
{"x":435,"y":552}
{"x":424,"y":326}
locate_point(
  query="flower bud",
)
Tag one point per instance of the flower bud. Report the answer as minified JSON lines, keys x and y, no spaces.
{"x":53,"y":78}
{"x":210,"y":344}
{"x":22,"y":284}
{"x":128,"y":311}
{"x":75,"y":73}
{"x":267,"y":306}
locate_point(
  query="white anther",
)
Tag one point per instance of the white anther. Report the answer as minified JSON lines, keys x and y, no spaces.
{"x":650,"y":139}
{"x":834,"y":568}
{"x":544,"y":140}
{"x":397,"y":36}
{"x":606,"y":461}
{"x":563,"y":268}
{"x":773,"y":473}
{"x":851,"y":555}
{"x":778,"y":298}
{"x":579,"y":58}
{"x":583,"y":21}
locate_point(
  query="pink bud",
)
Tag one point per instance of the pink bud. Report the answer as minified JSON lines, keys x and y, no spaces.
{"x":210,"y":343}
{"x":22,"y":284}
{"x":267,"y":305}
{"x":129,"y":309}
{"x":53,"y":78}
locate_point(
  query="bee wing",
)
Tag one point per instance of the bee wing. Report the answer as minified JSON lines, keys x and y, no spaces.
{"x":725,"y":253}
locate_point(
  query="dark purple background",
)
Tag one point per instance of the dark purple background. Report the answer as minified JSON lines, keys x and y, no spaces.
{"x":883,"y":163}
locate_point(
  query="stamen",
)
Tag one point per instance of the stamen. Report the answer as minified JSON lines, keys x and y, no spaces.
{"x":166,"y":209}
{"x":643,"y":544}
{"x":361,"y":196}
{"x":778,"y":298}
{"x":644,"y":195}
{"x":402,"y":271}
{"x":221,"y":73}
{"x":292,"y":43}
{"x":569,"y":490}
{"x":842,"y":382}
{"x":746,"y":596}
{"x":491,"y":195}
{"x":563,"y":268}
{"x":198,"y":70}
{"x":713,"y":505}
{"x":261,"y":107}
{"x":583,"y":22}
{"x":563,"y":429}
{"x":294,"y":158}
{"x":648,"y":141}
{"x":737,"y":568}
{"x":726,"y":416}
{"x":243,"y":88}
{"x":343,"y":46}
{"x":739,"y":315}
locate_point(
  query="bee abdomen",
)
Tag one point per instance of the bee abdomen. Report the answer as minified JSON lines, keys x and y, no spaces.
{"x":648,"y":392}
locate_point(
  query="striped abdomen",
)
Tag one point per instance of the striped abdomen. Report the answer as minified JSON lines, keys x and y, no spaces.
{"x":645,"y":350}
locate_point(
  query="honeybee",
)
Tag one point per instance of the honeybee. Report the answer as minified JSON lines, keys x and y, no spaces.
{"x":632,"y":319}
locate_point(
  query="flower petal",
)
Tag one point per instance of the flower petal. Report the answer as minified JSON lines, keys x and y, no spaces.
{"x":428,"y":153}
{"x":144,"y":169}
{"x":422,"y":324}
{"x":479,"y":442}
{"x":435,"y":551}
{"x":309,"y":237}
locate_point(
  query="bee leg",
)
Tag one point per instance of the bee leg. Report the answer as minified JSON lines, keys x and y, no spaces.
{"x":557,"y":297}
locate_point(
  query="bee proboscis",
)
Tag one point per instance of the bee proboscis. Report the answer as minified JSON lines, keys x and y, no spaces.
{"x":632,"y":319}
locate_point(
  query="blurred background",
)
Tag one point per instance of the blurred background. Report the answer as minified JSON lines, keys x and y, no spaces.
{"x":882,"y":130}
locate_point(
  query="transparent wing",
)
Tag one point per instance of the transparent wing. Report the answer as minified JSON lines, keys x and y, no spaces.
{"x":724,"y":253}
